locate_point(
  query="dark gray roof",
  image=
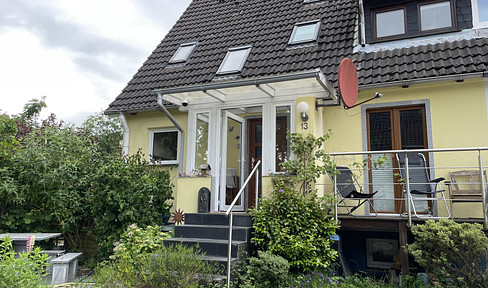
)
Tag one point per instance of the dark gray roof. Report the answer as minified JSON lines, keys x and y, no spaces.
{"x":441,"y":59}
{"x":264,"y":24}
{"x":267,"y":26}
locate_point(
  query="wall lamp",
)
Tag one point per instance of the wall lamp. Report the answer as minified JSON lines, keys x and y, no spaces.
{"x":302,"y":108}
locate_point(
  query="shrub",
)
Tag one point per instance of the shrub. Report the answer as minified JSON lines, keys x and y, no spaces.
{"x":25,"y":271}
{"x":450,"y":252}
{"x":57,"y":180}
{"x":172,"y":266}
{"x":310,"y":163}
{"x":316,"y":280}
{"x":127,"y":191}
{"x":137,"y":241}
{"x":296,"y":228}
{"x":267,"y":270}
{"x":294,"y":223}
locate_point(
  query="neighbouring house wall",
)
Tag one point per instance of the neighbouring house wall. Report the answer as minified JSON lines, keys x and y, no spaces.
{"x":457,"y":112}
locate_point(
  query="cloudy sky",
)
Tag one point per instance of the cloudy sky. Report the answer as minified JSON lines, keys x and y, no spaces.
{"x":77,"y":53}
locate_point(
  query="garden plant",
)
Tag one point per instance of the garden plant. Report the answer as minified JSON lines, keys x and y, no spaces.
{"x":55,"y":177}
{"x":293,"y":222}
{"x":451,"y":253}
{"x":141,"y":260}
{"x":23,"y":271}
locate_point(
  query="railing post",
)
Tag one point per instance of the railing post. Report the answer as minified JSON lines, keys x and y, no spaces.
{"x":483,"y":191}
{"x":229,"y":248}
{"x":256,"y":191}
{"x":407,"y":191}
{"x":336,"y":209}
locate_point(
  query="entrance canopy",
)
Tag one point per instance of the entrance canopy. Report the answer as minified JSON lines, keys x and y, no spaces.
{"x":288,"y":86}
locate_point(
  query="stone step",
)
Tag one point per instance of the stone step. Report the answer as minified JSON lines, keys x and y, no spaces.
{"x":221,"y":262}
{"x":212,"y":247}
{"x":240,"y":219}
{"x":239,"y":233}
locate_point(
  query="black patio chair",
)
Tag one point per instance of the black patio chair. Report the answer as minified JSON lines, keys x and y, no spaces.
{"x":421,"y":187}
{"x":346,"y":187}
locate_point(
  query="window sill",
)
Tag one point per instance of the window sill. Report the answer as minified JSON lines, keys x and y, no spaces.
{"x":418,"y":35}
{"x":160,"y":163}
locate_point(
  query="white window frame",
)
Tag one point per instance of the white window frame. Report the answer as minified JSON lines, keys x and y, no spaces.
{"x":183,"y":60}
{"x":243,"y":61}
{"x":192,"y":124}
{"x":316,"y":22}
{"x":269,"y":134}
{"x":476,"y":16}
{"x":151,"y":146}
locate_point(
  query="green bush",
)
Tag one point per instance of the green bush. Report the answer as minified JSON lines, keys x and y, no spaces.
{"x":310,"y":162}
{"x":58,"y":180}
{"x":25,"y":271}
{"x":137,"y":241}
{"x":127,"y":191}
{"x":296,"y":228}
{"x":267,"y":270}
{"x":294,"y":223}
{"x":450,"y":252}
{"x":172,"y":266}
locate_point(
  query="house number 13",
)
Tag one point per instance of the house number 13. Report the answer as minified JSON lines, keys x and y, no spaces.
{"x":304,"y":126}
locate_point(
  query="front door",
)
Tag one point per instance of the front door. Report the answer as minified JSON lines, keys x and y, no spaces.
{"x":255,"y":154}
{"x":231,"y":161}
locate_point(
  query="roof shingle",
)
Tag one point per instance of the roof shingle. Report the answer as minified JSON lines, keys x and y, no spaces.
{"x":267,"y":26}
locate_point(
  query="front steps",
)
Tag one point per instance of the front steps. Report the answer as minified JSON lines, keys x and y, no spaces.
{"x":210,"y":232}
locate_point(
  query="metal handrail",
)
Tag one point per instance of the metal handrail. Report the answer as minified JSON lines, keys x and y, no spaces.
{"x":405,"y":152}
{"x":229,"y":212}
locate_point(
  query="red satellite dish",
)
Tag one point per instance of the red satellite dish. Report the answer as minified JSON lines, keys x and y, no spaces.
{"x":348,"y":82}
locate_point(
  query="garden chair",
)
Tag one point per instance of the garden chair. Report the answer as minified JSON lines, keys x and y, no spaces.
{"x":465,"y":186}
{"x":346,"y":187}
{"x":421,"y":187}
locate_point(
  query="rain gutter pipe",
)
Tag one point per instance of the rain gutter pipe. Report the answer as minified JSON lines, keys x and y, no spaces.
{"x":316,"y":73}
{"x":362,"y":24}
{"x":405,"y":83}
{"x":178,"y":126}
{"x":125,"y":145}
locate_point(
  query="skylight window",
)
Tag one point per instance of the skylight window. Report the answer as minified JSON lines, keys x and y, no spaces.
{"x":234,"y":60}
{"x":183,"y":53}
{"x":305,"y":32}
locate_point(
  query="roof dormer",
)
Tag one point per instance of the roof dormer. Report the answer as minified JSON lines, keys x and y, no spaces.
{"x":413,"y":18}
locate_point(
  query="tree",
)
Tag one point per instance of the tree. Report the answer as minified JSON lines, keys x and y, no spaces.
{"x":60,"y":179}
{"x":106,"y":130}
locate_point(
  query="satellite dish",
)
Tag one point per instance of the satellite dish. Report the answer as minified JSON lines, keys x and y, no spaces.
{"x":348,"y":83}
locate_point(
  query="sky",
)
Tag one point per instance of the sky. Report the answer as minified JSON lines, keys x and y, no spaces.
{"x":80,"y":54}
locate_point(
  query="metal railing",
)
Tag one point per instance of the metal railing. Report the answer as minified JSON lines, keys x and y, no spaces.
{"x":407,"y":183}
{"x":231,"y":215}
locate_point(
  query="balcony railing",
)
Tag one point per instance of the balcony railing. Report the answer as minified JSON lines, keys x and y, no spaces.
{"x":379,"y":171}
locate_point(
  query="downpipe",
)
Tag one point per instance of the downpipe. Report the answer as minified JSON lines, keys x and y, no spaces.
{"x":178,"y":126}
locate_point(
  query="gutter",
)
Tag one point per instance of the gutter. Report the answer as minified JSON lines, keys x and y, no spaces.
{"x":178,"y":126}
{"x":316,"y":73}
{"x":125,"y":145}
{"x":406,"y":83}
{"x":362,"y":25}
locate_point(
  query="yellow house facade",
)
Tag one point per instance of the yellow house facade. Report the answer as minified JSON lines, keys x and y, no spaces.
{"x":228,"y":82}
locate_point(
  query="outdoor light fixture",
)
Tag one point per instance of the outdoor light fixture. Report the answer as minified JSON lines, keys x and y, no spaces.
{"x":302,"y":108}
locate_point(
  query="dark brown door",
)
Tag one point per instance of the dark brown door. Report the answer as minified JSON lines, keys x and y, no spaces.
{"x":255,"y":154}
{"x":393,"y":129}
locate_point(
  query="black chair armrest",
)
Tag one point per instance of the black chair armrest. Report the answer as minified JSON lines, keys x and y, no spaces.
{"x":437,"y":180}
